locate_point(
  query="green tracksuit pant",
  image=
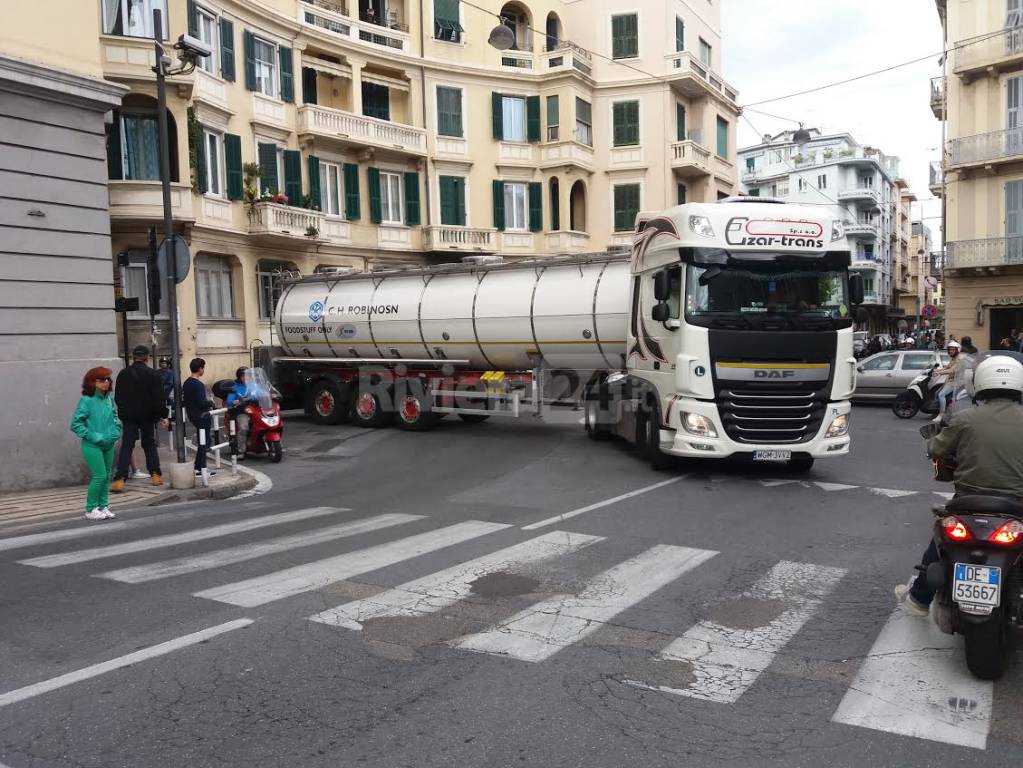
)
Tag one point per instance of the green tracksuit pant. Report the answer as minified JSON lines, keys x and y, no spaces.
{"x":100,"y":462}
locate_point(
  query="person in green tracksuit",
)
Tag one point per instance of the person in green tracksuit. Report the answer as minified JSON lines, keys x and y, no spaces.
{"x":96,"y":423}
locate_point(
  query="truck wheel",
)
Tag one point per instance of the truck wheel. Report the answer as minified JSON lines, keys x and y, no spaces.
{"x":801,"y":463}
{"x":906,"y":405}
{"x":594,"y":430}
{"x":985,"y":646}
{"x":413,"y":413}
{"x":326,"y":403}
{"x":648,"y":429}
{"x":368,"y":411}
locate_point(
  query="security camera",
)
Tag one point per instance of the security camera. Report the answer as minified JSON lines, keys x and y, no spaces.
{"x":191,"y":48}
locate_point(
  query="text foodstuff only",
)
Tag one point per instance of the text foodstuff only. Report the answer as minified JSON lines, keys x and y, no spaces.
{"x":364,"y":309}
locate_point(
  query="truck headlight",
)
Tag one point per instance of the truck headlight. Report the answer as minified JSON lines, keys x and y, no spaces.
{"x":695,"y":424}
{"x":701,"y":226}
{"x":839,"y":426}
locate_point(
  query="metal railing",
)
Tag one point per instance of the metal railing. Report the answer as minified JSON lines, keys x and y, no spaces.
{"x":984,"y":252}
{"x":989,"y":48}
{"x":935,"y":263}
{"x":212,"y":441}
{"x":937,"y":91}
{"x":984,"y":147}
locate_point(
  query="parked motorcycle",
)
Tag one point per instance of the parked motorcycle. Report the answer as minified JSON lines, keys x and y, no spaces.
{"x":920,"y":395}
{"x":261,"y":403}
{"x":979,"y":575}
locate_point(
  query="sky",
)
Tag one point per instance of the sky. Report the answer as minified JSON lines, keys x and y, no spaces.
{"x":777,"y":47}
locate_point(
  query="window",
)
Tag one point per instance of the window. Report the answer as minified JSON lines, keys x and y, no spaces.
{"x":269,"y":288}
{"x":754,"y":191}
{"x":680,"y":193}
{"x":776,"y":156}
{"x":868,"y":252}
{"x":449,"y":111}
{"x":207,"y":28}
{"x":883,"y":363}
{"x":626,"y":206}
{"x":680,"y":121}
{"x":866,"y":182}
{"x":680,"y":34}
{"x":515,"y":213}
{"x":918,"y":362}
{"x":446,"y":21}
{"x":705,"y":52}
{"x":722,"y":137}
{"x":513,"y":118}
{"x":750,"y":163}
{"x":583,"y":122}
{"x":624,"y":36}
{"x":391,"y":198}
{"x":213,"y":287}
{"x":801,"y":184}
{"x":139,"y":146}
{"x":822,"y":181}
{"x":332,"y":197}
{"x":265,"y":55}
{"x":271,"y":171}
{"x":452,"y":201}
{"x":214,"y":163}
{"x":132,"y":18}
{"x":376,"y":100}
{"x":625,"y":123}
{"x":135,"y":283}
{"x":553,"y":118}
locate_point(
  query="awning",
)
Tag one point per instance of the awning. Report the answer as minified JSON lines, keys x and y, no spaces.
{"x":327,"y":67}
{"x":384,"y":80}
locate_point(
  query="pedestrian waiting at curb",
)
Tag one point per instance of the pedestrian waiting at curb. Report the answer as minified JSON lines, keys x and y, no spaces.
{"x":197,"y":405}
{"x":95,"y":422}
{"x":140,"y":404}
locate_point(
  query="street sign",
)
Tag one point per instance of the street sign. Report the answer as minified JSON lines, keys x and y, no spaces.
{"x":929,"y":311}
{"x":182,"y":258}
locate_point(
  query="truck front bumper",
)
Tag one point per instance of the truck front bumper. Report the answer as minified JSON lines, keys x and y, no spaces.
{"x":679,"y":442}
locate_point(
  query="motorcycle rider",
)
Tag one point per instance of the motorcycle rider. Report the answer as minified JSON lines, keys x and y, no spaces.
{"x":984,"y":445}
{"x":236,"y":400}
{"x":953,"y":374}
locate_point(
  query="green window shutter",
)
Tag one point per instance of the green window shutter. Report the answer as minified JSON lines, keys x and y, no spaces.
{"x":193,"y":18}
{"x":447,"y":200}
{"x":353,"y":210}
{"x":624,"y":36}
{"x":287,"y":58}
{"x":497,"y":103}
{"x":197,"y":148}
{"x":412,"y":217}
{"x":555,"y":195}
{"x":459,"y":189}
{"x":445,"y":20}
{"x":680,"y":193}
{"x":226,"y":49}
{"x":553,"y":113}
{"x":314,"y":181}
{"x":722,"y":148}
{"x":449,"y":112}
{"x":376,"y":213}
{"x":535,"y":206}
{"x":267,"y":154}
{"x":233,"y":163}
{"x":626,"y":205}
{"x":293,"y":176}
{"x":617,"y":120}
{"x":533,"y":118}
{"x":250,"y":60}
{"x":498,"y":204}
{"x":631,"y":130}
{"x":680,"y":121}
{"x":114,"y":168}
{"x":632,"y":35}
{"x":309,"y":94}
{"x":680,"y":34}
{"x":617,"y":37}
{"x":376,"y":101}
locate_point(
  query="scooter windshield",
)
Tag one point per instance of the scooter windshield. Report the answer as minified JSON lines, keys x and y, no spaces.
{"x":257,"y":388}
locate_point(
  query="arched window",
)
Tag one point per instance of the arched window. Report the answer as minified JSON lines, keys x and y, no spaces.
{"x":577,"y":207}
{"x":555,"y":197}
{"x":553,"y":31}
{"x":133,"y":146}
{"x":516,"y":17}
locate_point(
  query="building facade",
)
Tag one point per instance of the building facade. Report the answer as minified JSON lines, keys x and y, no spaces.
{"x":921,"y":286}
{"x":56,"y":296}
{"x":981,"y":175}
{"x":861,"y":184}
{"x":325,"y":134}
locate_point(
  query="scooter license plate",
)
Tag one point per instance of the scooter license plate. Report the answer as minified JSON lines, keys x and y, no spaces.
{"x":772,"y":455}
{"x":977,"y":585}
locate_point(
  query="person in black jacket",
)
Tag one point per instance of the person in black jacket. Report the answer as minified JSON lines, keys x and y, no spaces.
{"x":140,"y":404}
{"x":197,"y":405}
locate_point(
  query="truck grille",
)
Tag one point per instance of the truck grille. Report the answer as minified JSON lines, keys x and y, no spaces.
{"x":770,"y":414}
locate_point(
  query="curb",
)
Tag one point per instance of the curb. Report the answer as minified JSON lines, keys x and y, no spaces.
{"x":245,"y":481}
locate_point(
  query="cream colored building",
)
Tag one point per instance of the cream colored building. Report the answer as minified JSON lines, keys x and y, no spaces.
{"x":902,"y":256}
{"x":399,"y":136}
{"x":980,"y":97}
{"x":921,"y":284}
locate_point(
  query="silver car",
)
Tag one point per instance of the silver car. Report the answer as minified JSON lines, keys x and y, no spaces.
{"x":886,"y":374}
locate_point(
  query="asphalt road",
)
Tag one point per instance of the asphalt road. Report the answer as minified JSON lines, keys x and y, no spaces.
{"x":416,"y":599}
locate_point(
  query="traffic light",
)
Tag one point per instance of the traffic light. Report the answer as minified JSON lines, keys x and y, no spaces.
{"x":153,"y":277}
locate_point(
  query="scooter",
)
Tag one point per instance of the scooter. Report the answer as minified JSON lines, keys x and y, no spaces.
{"x":921,"y":395}
{"x":978,"y":578}
{"x":266,"y":424}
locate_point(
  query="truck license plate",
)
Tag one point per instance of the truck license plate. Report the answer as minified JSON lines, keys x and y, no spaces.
{"x":977,"y":585}
{"x":772,"y":455}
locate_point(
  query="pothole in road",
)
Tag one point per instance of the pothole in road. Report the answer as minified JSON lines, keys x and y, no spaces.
{"x":504,"y":584}
{"x":748,"y":612}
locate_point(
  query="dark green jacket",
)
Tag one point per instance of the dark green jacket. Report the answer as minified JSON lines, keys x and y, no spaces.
{"x":986,"y":444}
{"x":95,"y":421}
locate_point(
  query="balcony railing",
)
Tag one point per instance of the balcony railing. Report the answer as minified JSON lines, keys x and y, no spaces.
{"x":267,"y":218}
{"x":982,"y":148}
{"x":871,"y":297}
{"x":690,"y":158}
{"x":866,"y":194}
{"x":938,"y":97}
{"x":936,"y":263}
{"x":861,"y":228}
{"x":567,"y":241}
{"x":989,"y":50}
{"x":347,"y":126}
{"x":454,"y":238}
{"x":986,"y":252}
{"x":567,"y":55}
{"x":683,"y":64}
{"x":333,"y":17}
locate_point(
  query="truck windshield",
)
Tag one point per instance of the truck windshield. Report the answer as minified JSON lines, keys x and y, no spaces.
{"x":769,"y":295}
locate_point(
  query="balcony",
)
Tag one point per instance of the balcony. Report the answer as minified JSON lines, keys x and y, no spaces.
{"x":984,"y":55}
{"x":694,"y":79}
{"x":690,"y":159}
{"x":937,"y":180}
{"x":276,"y":221}
{"x":935,"y":264}
{"x":332,"y":17}
{"x":517,"y":59}
{"x":987,"y":252}
{"x":861,"y":229}
{"x":864,"y":262}
{"x":566,"y":241}
{"x":864,"y":196}
{"x":131,"y":60}
{"x":359,"y":131}
{"x":566,"y":56}
{"x":566,"y":153}
{"x":143,"y":201}
{"x":872,"y":297}
{"x":986,"y":149}
{"x":938,"y":97}
{"x":459,"y":239}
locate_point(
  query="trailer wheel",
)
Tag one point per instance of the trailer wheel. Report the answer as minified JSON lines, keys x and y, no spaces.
{"x":413,"y":412}
{"x":326,"y":403}
{"x":594,"y":429}
{"x":648,"y":434}
{"x":368,"y":411}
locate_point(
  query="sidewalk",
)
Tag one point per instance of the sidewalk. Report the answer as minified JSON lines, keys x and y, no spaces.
{"x":54,"y":504}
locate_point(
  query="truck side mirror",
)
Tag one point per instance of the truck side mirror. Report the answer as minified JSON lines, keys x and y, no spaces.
{"x":855,"y":289}
{"x":662,"y":285}
{"x":661,"y":311}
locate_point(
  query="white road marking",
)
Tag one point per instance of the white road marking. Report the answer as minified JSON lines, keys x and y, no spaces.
{"x":891,"y":493}
{"x":543,"y":629}
{"x":834,"y":486}
{"x":48,"y":537}
{"x":173,"y":539}
{"x":29,"y":691}
{"x":320,"y":573}
{"x":914,"y":682}
{"x":776,"y":483}
{"x":607,"y":502}
{"x":726,"y":661}
{"x":444,"y":588}
{"x":178,"y":566}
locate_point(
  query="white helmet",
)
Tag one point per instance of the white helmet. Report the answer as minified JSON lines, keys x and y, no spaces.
{"x":998,"y":372}
{"x":952,"y":344}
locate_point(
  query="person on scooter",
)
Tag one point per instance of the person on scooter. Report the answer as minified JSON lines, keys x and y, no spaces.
{"x":235,"y":401}
{"x":952,"y":374}
{"x":984,"y":444}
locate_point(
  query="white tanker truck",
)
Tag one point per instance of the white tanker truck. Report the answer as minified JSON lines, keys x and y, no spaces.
{"x":727,"y":331}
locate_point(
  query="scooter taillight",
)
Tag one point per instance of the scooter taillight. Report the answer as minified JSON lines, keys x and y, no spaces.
{"x":954,"y":529}
{"x":1007,"y":534}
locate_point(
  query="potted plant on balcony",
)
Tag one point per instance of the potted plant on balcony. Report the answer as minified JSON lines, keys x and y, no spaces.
{"x":797,"y":159}
{"x":828,"y":154}
{"x":311,"y":231}
{"x":280,"y":198}
{"x":251,"y":191}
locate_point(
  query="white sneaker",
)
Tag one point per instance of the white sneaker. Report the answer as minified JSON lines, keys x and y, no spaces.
{"x":107,"y":513}
{"x":909,"y":603}
{"x":139,"y":474}
{"x":95,"y":514}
